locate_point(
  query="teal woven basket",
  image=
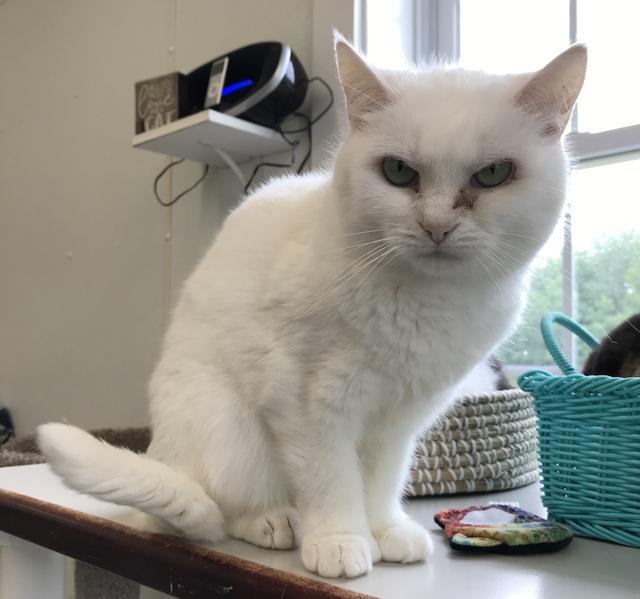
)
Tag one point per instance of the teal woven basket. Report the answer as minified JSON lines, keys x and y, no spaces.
{"x":589,"y":444}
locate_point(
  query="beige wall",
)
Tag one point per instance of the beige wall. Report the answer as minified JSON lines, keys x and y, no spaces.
{"x":89,"y":263}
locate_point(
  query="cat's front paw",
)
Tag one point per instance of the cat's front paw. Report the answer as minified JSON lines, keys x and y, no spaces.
{"x":405,"y":542}
{"x":337,"y":555}
{"x":274,"y":529}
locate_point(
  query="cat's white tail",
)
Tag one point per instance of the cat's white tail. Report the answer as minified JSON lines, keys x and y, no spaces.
{"x":121,"y":476}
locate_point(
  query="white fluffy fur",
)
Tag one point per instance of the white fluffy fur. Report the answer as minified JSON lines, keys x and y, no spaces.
{"x":323,"y":329}
{"x":482,"y":379}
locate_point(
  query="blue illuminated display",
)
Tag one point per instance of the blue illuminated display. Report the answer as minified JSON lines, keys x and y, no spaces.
{"x":233,"y":87}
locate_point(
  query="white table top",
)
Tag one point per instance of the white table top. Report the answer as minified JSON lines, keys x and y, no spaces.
{"x":586,"y":569}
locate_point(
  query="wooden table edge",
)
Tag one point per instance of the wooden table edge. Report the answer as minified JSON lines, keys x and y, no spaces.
{"x":167,"y":564}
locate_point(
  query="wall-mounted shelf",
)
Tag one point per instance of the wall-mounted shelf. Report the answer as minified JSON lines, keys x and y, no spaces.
{"x":194,"y":137}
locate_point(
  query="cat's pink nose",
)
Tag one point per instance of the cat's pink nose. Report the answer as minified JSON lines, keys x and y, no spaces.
{"x":438,"y":231}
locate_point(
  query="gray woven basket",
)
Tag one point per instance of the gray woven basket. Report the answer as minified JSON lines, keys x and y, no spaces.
{"x":483,"y":443}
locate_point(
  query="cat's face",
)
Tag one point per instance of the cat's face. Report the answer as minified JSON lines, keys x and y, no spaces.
{"x":452,"y":166}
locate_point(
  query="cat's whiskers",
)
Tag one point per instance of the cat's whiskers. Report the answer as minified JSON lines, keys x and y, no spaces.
{"x":503,"y":292}
{"x":348,"y":274}
{"x":531,"y":267}
{"x":360,"y":261}
{"x":374,"y":264}
{"x":508,"y":260}
{"x":606,"y":333}
{"x":506,"y":256}
{"x":486,"y":269}
{"x":350,"y":247}
{"x":515,"y":248}
{"x":351,"y":270}
{"x":361,"y":233}
{"x":379,"y":263}
{"x":500,"y":259}
{"x":632,"y":326}
{"x":368,"y":262}
{"x":509,"y":233}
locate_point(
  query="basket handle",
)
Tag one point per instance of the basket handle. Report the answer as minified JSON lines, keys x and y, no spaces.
{"x":546,"y":326}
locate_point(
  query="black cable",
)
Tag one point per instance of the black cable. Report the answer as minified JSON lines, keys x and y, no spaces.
{"x":309,"y":141}
{"x":306,"y":128}
{"x":182,"y":193}
{"x":293,"y":144}
{"x":324,"y":111}
{"x":308,"y":156}
{"x":273,"y":164}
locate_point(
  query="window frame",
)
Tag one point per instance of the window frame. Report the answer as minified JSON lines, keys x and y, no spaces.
{"x":435,"y":30}
{"x":436,"y":33}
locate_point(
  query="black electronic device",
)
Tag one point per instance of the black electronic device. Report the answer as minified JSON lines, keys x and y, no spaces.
{"x":263,"y":83}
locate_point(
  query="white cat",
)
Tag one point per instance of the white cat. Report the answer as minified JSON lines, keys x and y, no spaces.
{"x":334,"y":314}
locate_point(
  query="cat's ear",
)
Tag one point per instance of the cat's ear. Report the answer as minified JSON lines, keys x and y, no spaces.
{"x":364,"y":92}
{"x":551,"y":93}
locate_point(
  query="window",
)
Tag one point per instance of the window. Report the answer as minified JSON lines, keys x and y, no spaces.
{"x":590,"y":268}
{"x":611,"y":96}
{"x":504,"y":36}
{"x":388,"y":21}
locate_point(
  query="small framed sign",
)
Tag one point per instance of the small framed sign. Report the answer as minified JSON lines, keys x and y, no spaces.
{"x":160,"y":101}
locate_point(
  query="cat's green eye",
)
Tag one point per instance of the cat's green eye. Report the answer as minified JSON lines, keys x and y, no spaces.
{"x":493,"y":174}
{"x":397,"y":172}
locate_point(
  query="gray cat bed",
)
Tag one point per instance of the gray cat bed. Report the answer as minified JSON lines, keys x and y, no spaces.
{"x":24,"y":451}
{"x":485,"y":442}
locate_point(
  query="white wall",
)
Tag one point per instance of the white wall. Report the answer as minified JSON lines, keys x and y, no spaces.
{"x":89,"y":263}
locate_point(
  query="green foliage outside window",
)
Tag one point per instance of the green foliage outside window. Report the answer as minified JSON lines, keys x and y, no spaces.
{"x":607,"y":291}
